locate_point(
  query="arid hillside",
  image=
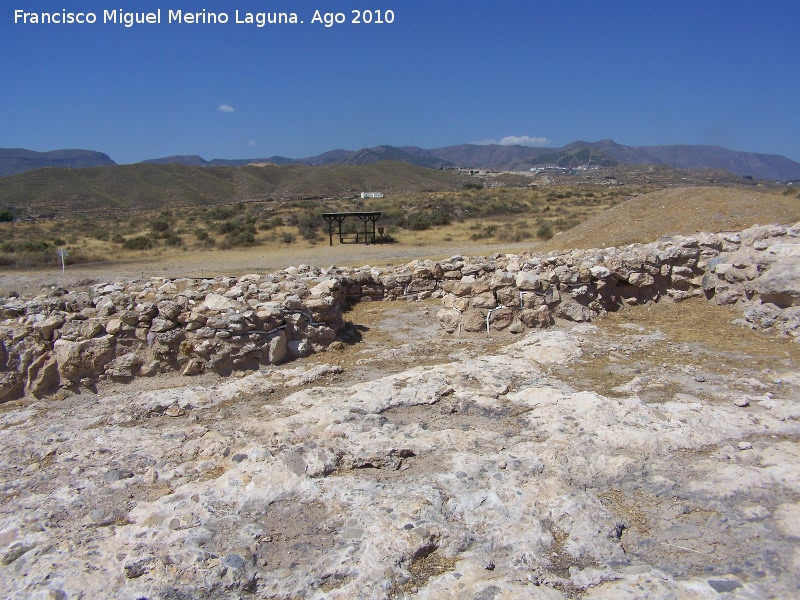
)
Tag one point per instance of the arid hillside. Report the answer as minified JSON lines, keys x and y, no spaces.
{"x":678,"y":211}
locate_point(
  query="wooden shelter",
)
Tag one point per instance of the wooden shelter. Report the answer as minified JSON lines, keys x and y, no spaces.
{"x":367,"y":236}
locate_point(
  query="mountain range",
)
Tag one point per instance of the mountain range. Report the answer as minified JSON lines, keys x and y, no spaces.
{"x":604,"y":153}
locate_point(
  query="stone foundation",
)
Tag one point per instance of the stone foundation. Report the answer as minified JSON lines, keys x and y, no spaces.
{"x":142,"y":328}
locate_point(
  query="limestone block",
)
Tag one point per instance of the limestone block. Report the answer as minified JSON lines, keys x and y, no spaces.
{"x":641,"y":279}
{"x":86,"y":358}
{"x":484,"y":300}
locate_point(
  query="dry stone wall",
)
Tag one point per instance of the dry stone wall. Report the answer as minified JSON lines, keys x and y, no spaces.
{"x":125,"y":330}
{"x":758,"y":268}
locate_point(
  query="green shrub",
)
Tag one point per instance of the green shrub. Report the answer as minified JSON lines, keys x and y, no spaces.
{"x":138,"y":243}
{"x":308,"y":224}
{"x":486,"y":232}
{"x":32,"y":246}
{"x":159,"y":226}
{"x":227,"y":227}
{"x":419,"y":222}
{"x":6,"y":216}
{"x":221,"y":213}
{"x":544,"y":232}
{"x":439,"y":218}
{"x":287,"y":238}
{"x":311,"y":235}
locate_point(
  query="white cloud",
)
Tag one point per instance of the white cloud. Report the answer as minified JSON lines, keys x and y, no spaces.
{"x":517,"y":140}
{"x":524,"y":140}
{"x":226,"y":108}
{"x":252,"y":143}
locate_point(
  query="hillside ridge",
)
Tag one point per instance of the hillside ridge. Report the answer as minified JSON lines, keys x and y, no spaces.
{"x":472,"y":156}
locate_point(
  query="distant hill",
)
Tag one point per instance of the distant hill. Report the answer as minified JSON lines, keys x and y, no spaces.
{"x":761,"y":166}
{"x":365,"y":156}
{"x":604,"y":153}
{"x":157,"y":186}
{"x":370,"y":155}
{"x":193,"y":160}
{"x":609,"y":153}
{"x":19,"y":160}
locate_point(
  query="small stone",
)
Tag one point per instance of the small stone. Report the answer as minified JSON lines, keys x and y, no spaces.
{"x":194,"y":367}
{"x":162,"y":325}
{"x":138,"y":567}
{"x":260,"y":453}
{"x":742,"y":401}
{"x":723,"y":585}
{"x":116,"y":474}
{"x":174,"y":411}
{"x":101,"y":518}
{"x":700,"y":378}
{"x":233,"y":561}
{"x":352,"y":533}
{"x":517,"y":326}
{"x":744,"y":445}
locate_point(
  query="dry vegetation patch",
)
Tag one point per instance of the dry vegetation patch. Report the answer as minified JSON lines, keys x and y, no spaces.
{"x":679,"y":211}
{"x":672,"y":344}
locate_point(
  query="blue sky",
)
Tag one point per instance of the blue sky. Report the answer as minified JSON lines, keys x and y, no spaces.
{"x":445,"y":72}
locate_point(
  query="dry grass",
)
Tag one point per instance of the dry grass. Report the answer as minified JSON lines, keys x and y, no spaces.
{"x":503,"y":216}
{"x":697,"y":321}
{"x":678,"y":211}
{"x":698,"y":335}
{"x":605,"y":218}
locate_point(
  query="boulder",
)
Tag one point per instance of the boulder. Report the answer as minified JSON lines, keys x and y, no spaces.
{"x":640,"y":279}
{"x":45,"y":328}
{"x":780,"y":285}
{"x":449,"y":319}
{"x":484,"y":300}
{"x":86,"y":358}
{"x":572,"y":311}
{"x":501,"y":318}
{"x":277,"y":348}
{"x":219,"y":302}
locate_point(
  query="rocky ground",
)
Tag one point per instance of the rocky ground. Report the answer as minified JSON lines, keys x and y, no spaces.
{"x":652,"y":453}
{"x":644,"y":444}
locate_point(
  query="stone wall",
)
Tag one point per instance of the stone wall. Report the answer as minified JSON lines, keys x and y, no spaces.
{"x":125,"y":330}
{"x":759,"y":267}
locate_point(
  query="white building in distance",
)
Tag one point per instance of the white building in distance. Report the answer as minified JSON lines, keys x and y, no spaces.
{"x":372,"y":194}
